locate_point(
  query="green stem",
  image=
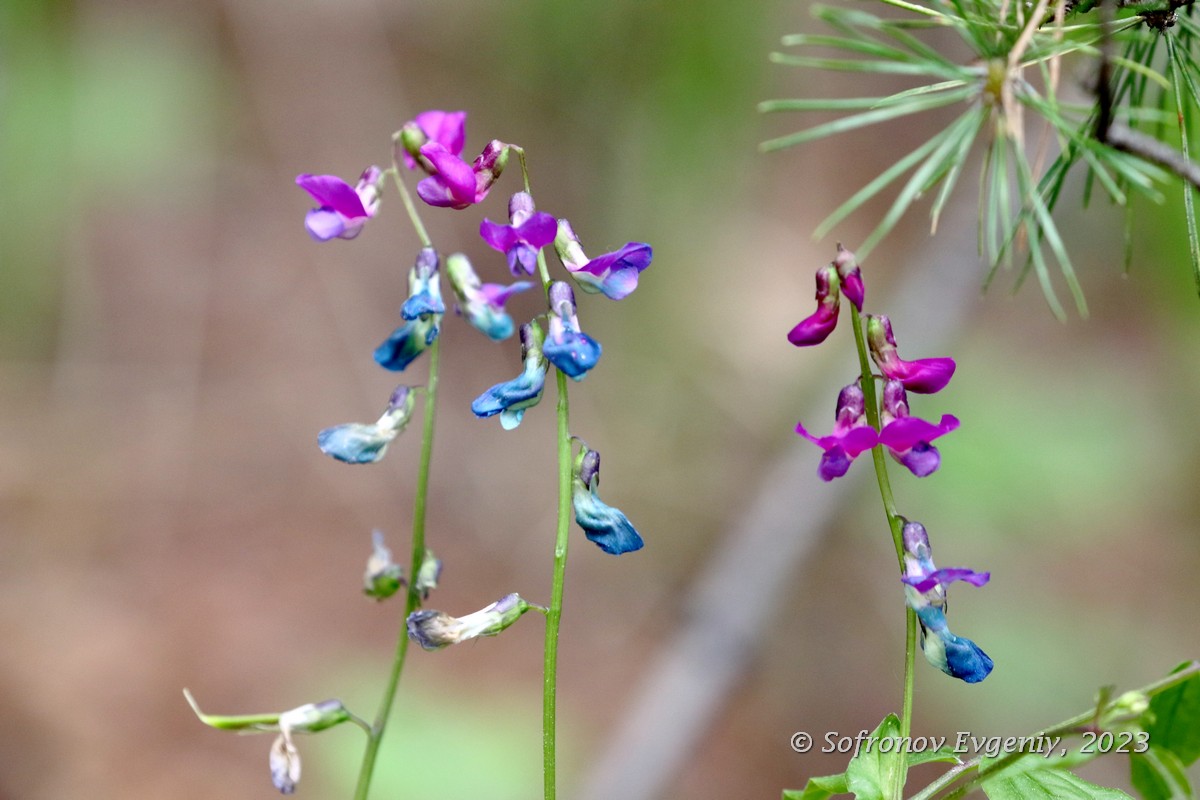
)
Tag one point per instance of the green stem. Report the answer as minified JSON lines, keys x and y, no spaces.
{"x":413,"y":597}
{"x":1076,"y":724}
{"x":554,"y":613}
{"x":896,"y":526}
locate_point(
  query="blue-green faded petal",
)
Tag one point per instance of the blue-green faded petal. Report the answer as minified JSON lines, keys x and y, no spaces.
{"x":355,"y":443}
{"x":956,"y":656}
{"x":405,"y":343}
{"x":608,"y":527}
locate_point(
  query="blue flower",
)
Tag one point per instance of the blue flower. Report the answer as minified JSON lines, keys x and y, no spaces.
{"x":511,"y":398}
{"x":608,"y":527}
{"x":567,"y":347}
{"x":425,"y":290}
{"x":407,"y":342}
{"x":358,"y":443}
{"x":925,"y":591}
{"x":482,"y":303}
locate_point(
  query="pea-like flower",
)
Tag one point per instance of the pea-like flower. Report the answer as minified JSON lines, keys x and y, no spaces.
{"x":434,"y":630}
{"x":383,"y":576}
{"x":425,"y":290}
{"x":343,"y":209}
{"x":614,"y":274}
{"x":358,"y":443}
{"x":851,"y":434}
{"x":923,"y":376}
{"x":511,"y":398}
{"x":908,"y":438}
{"x":530,"y":230}
{"x":454,"y":183}
{"x":567,"y":347}
{"x":608,"y":527}
{"x":482,"y":303}
{"x":284,"y":758}
{"x":925,"y":592}
{"x":447,"y":128}
{"x":422,"y":312}
{"x":816,"y":327}
{"x":850,"y":276}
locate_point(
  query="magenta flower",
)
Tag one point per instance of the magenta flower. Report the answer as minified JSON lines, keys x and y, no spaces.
{"x":908,"y":438}
{"x":850,"y":275}
{"x":344,"y":209}
{"x":851,"y":435}
{"x":447,"y":128}
{"x":614,"y":274}
{"x":924,"y":376}
{"x":529,"y":232}
{"x":454,"y":183}
{"x":816,"y":328}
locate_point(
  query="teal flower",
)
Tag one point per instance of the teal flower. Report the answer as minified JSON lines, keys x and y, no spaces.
{"x":608,"y":527}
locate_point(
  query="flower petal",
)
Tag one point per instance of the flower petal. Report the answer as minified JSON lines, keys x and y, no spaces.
{"x":945,"y":577}
{"x":904,"y":433}
{"x":324,"y":224}
{"x":355,"y":443}
{"x":332,"y":192}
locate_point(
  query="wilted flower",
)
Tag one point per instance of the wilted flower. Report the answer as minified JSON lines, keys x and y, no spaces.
{"x":608,"y":527}
{"x":284,"y":758}
{"x":908,"y":438}
{"x":923,"y":376}
{"x":343,"y":208}
{"x":447,"y":128}
{"x":434,"y":630}
{"x":383,"y":577}
{"x":567,"y":347}
{"x":428,"y":574}
{"x":482,"y":303}
{"x":816,"y":327}
{"x":520,"y":242}
{"x":615,"y":274}
{"x":925,"y":591}
{"x":851,"y":434}
{"x":511,"y":398}
{"x":358,"y":443}
{"x":453,"y":183}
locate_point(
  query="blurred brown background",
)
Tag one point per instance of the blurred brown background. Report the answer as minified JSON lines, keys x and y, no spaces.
{"x":171,"y":341}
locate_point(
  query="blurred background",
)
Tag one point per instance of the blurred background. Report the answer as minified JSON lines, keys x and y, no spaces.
{"x":171,"y":341}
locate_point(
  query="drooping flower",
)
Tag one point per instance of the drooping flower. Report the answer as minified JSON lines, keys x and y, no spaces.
{"x":423,"y":314}
{"x":383,"y":576}
{"x":908,"y":438}
{"x":343,"y":209}
{"x":482,"y":303}
{"x":358,"y":443}
{"x":614,"y":274}
{"x":447,"y":128}
{"x":925,"y":593}
{"x":284,"y":758}
{"x":453,"y":183}
{"x":608,"y":527}
{"x":511,"y":398}
{"x":567,"y":347}
{"x":923,"y":376}
{"x":816,"y":327}
{"x":851,"y":434}
{"x":850,"y":275}
{"x":434,"y":630}
{"x":520,"y":241}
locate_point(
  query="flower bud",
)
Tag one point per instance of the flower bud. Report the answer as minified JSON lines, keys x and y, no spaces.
{"x":850,"y":275}
{"x":427,"y":576}
{"x":434,"y":630}
{"x":383,"y":577}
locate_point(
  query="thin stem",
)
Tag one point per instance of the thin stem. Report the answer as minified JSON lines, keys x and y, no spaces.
{"x":554,"y":613}
{"x":896,"y":526}
{"x":413,"y":598}
{"x":1075,"y":724}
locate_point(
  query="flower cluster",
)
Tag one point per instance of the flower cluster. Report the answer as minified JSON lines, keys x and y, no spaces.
{"x":859,"y":426}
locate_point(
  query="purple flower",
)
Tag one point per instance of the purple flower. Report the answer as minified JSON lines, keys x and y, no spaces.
{"x":454,"y":183}
{"x":447,"y":128}
{"x":343,"y":208}
{"x":529,"y":232}
{"x":908,"y":438}
{"x":614,"y":274}
{"x":816,"y":328}
{"x":567,"y":347}
{"x":851,"y":276}
{"x":482,"y":303}
{"x":851,"y":435}
{"x":925,"y":594}
{"x":923,"y":376}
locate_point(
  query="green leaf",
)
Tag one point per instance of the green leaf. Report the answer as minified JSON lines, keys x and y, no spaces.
{"x":1176,"y":725}
{"x":872,"y":773}
{"x":1051,"y":784}
{"x":1159,"y":775}
{"x":945,"y":754}
{"x":819,"y":788}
